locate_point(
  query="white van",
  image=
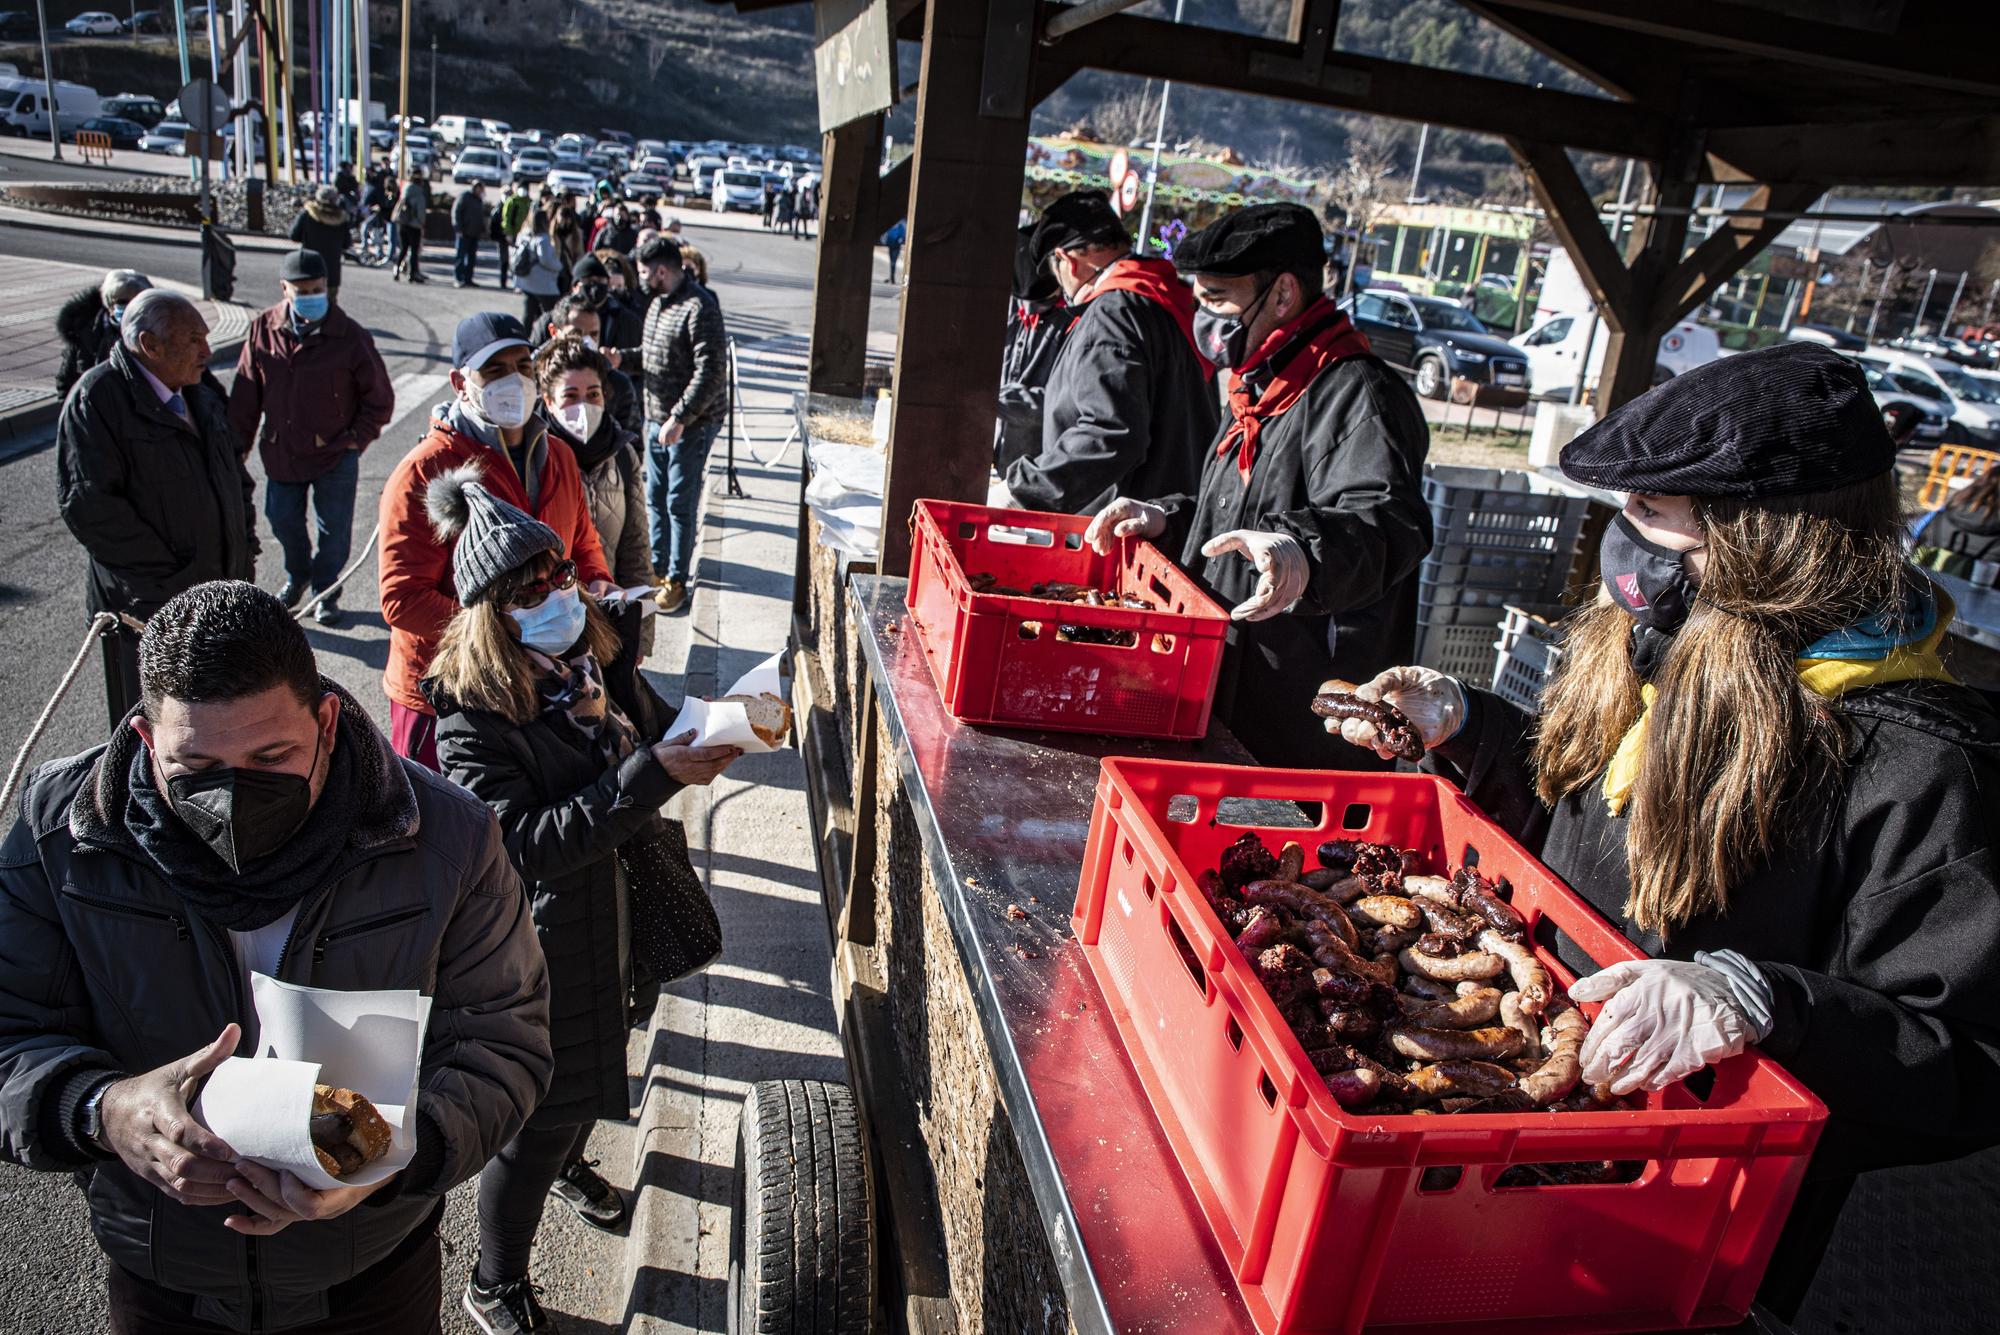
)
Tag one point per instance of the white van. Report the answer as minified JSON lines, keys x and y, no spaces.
{"x":1554,"y":345}
{"x":735,"y":188}
{"x":24,"y":106}
{"x":451,"y":129}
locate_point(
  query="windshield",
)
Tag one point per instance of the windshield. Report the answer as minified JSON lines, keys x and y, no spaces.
{"x":1444,"y":315}
{"x":479,"y":157}
{"x":1970,"y":386}
{"x":743,"y":179}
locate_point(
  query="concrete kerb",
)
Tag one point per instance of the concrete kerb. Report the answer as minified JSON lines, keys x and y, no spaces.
{"x":70,"y":224}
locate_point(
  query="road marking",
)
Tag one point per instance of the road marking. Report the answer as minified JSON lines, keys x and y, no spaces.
{"x":417,"y":389}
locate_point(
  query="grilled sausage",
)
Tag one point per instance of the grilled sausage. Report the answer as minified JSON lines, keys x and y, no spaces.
{"x":1334,"y":953}
{"x":1434,"y":888}
{"x":1265,"y":928}
{"x":1465,"y":1079}
{"x":1291,"y":862}
{"x":1354,"y":1088}
{"x":1393,"y":728}
{"x":1468,"y":1011}
{"x":1386,"y":911}
{"x":1472,"y":964}
{"x":1476,"y":896}
{"x":1530,"y":978}
{"x":1517,"y":1019}
{"x":1303,"y":903}
{"x":1493,"y":1043}
{"x":1444,"y":922}
{"x":1558,"y":1074}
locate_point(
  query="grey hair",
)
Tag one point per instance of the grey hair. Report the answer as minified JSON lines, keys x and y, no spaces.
{"x":120,"y":284}
{"x":153,"y":312}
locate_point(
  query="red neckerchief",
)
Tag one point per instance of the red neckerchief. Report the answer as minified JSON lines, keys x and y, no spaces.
{"x":1156,"y":280}
{"x":1335,"y":338}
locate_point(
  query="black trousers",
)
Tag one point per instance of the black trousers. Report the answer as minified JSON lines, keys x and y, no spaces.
{"x":400,"y":1295}
{"x":120,"y":646}
{"x":411,"y":262}
{"x":513,"y":1187}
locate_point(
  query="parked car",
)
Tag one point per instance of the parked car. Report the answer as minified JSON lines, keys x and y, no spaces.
{"x":18,"y":23}
{"x":733,"y":189}
{"x":571,"y":180}
{"x":134,"y":107}
{"x":574,"y":143}
{"x":532,"y":164}
{"x":381,"y":135}
{"x":488,"y":166}
{"x":643,"y":185}
{"x":1555,"y":350}
{"x":145,"y":20}
{"x":702,"y":168}
{"x":1837,"y":339}
{"x":451,"y":129}
{"x":94,"y":23}
{"x":798,"y":154}
{"x":600,"y":162}
{"x":1435,"y":341}
{"x":657,"y":165}
{"x":123,"y":133}
{"x":1974,"y":400}
{"x":650,"y":148}
{"x":498,"y":131}
{"x":1933,"y":415}
{"x":622,"y":137}
{"x":166,"y":137}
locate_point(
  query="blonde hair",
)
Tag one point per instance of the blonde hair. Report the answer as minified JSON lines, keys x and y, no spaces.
{"x":1739,"y":755}
{"x":692,"y":258}
{"x":482,"y":664}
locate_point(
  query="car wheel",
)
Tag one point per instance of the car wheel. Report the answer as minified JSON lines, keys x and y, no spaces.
{"x":1432,"y":382}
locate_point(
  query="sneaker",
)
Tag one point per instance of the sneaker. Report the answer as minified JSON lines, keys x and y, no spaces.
{"x":595,"y":1201}
{"x":328,"y":612}
{"x":505,"y":1309}
{"x":292,"y":594}
{"x":673,"y":592}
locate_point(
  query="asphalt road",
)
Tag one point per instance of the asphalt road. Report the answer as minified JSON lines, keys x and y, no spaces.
{"x":51,"y":1274}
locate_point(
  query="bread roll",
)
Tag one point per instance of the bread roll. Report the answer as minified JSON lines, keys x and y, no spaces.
{"x":770,"y":717}
{"x":347,"y":1132}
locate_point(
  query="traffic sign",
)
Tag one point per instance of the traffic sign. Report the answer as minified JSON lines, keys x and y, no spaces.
{"x":204,"y":107}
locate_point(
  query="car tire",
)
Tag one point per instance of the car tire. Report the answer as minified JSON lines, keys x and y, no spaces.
{"x":1432,"y":380}
{"x":802,"y":1257}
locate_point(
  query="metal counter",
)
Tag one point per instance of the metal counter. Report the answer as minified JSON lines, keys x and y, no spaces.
{"x":1978,"y":616}
{"x":1004,"y":817}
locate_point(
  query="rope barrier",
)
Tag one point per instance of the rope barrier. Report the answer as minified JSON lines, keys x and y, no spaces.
{"x":101,"y":624}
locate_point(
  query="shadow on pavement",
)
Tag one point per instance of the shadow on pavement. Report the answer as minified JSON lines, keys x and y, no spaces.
{"x":668,"y":1295}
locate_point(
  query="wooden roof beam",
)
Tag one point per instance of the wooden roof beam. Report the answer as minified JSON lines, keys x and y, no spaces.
{"x":1149,"y":48}
{"x":1954,"y":150}
{"x":1733,"y":245}
{"x":1573,"y":215}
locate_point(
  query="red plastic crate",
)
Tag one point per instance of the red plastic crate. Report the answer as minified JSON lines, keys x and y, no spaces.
{"x":1322,"y":1214}
{"x":996,"y":658}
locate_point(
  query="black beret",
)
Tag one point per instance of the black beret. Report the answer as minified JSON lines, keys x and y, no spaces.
{"x":301,"y":265}
{"x":1079,"y":218}
{"x":1793,"y":418}
{"x":1258,"y":239}
{"x":1032,"y":279}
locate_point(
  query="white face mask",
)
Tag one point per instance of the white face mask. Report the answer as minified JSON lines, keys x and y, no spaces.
{"x":504,"y":403}
{"x":580,"y":419}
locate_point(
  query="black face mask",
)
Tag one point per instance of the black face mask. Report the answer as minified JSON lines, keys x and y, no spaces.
{"x":243,"y":814}
{"x":596,"y":294}
{"x":1647,"y":580}
{"x":1225,"y":339}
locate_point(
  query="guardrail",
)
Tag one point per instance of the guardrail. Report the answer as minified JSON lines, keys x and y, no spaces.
{"x":93,"y":146}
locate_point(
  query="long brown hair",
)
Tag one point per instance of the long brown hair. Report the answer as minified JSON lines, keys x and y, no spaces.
{"x":1981,"y":496}
{"x":1738,"y":754}
{"x":482,"y":664}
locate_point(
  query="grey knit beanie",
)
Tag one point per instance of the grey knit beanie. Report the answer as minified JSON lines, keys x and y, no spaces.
{"x":495,"y":537}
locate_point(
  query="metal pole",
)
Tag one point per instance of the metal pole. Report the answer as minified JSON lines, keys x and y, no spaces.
{"x":362,"y":73}
{"x":312,"y":85}
{"x":286,"y":27}
{"x":1159,"y":138}
{"x":1876,"y":314}
{"x":434,"y":79}
{"x":1992,"y":292}
{"x":1417,"y":172}
{"x":1065,"y":21}
{"x":1952,"y":309}
{"x":403,"y":104}
{"x":735,"y":487}
{"x":49,"y":83}
{"x":1925,"y":304}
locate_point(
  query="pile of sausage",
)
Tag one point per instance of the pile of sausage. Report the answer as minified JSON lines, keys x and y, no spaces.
{"x":1080,"y":594}
{"x":1409,"y":992}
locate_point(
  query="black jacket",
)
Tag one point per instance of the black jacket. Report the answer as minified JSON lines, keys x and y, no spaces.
{"x":87,"y":337}
{"x":1342,"y":472}
{"x":1957,"y":537}
{"x":468,"y":214}
{"x":1033,"y":344}
{"x":331,"y":240}
{"x":1127,"y":412}
{"x":105,"y":968}
{"x":1878,"y":925}
{"x":683,"y":356}
{"x":159,"y":505}
{"x":564,"y":814}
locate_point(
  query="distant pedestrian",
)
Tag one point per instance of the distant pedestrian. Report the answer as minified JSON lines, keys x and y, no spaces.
{"x":573,"y":315}
{"x":346,"y":182}
{"x":537,"y":270}
{"x":577,"y":395}
{"x":772,"y":189}
{"x":88,"y":324}
{"x":413,"y":208}
{"x":149,"y":477}
{"x":568,"y":231}
{"x":489,"y":421}
{"x":312,"y":376}
{"x":376,"y":227}
{"x":325,"y":225}
{"x":513,"y":215}
{"x":682,"y":361}
{"x":893,"y":239}
{"x":788,"y":211}
{"x":468,"y":221}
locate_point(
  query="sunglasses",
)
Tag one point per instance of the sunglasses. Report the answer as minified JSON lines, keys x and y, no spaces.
{"x":533,"y":593}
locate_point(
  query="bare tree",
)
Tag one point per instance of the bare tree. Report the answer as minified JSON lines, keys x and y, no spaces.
{"x":1126,"y":118}
{"x":1359,"y":186}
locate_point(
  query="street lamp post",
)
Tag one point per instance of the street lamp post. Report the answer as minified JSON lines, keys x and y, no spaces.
{"x":434,"y":79}
{"x":49,"y":81}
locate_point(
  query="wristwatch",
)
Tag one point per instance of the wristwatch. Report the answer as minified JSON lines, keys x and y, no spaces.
{"x":93,"y":1114}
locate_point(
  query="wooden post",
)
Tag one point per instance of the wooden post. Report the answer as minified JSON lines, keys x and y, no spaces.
{"x":965,"y":192}
{"x":845,"y":261}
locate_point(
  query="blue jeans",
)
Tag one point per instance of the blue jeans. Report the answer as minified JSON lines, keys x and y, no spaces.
{"x":674,"y":476}
{"x":465,"y":259}
{"x":332,"y":496}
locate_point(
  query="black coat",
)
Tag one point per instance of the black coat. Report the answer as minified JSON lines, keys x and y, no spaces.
{"x":1878,"y":925}
{"x":87,"y":337}
{"x":1128,"y":411}
{"x":1342,"y":472}
{"x":331,"y":240}
{"x":1958,"y":537}
{"x":159,"y":505}
{"x":1032,"y":347}
{"x":563,"y":815}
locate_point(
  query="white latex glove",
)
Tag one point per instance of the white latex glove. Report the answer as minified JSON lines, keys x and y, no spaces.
{"x":1432,"y":702}
{"x":1124,"y":518}
{"x":1662,"y":1021}
{"x":1282,"y":570}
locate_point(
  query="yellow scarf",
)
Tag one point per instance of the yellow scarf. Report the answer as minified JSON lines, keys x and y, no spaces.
{"x":1830,"y":677}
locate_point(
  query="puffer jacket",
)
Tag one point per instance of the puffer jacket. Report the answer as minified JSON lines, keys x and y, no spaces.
{"x":104,"y":967}
{"x":684,"y":355}
{"x":87,"y":335}
{"x":564,"y":813}
{"x":159,"y":504}
{"x":615,"y":487}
